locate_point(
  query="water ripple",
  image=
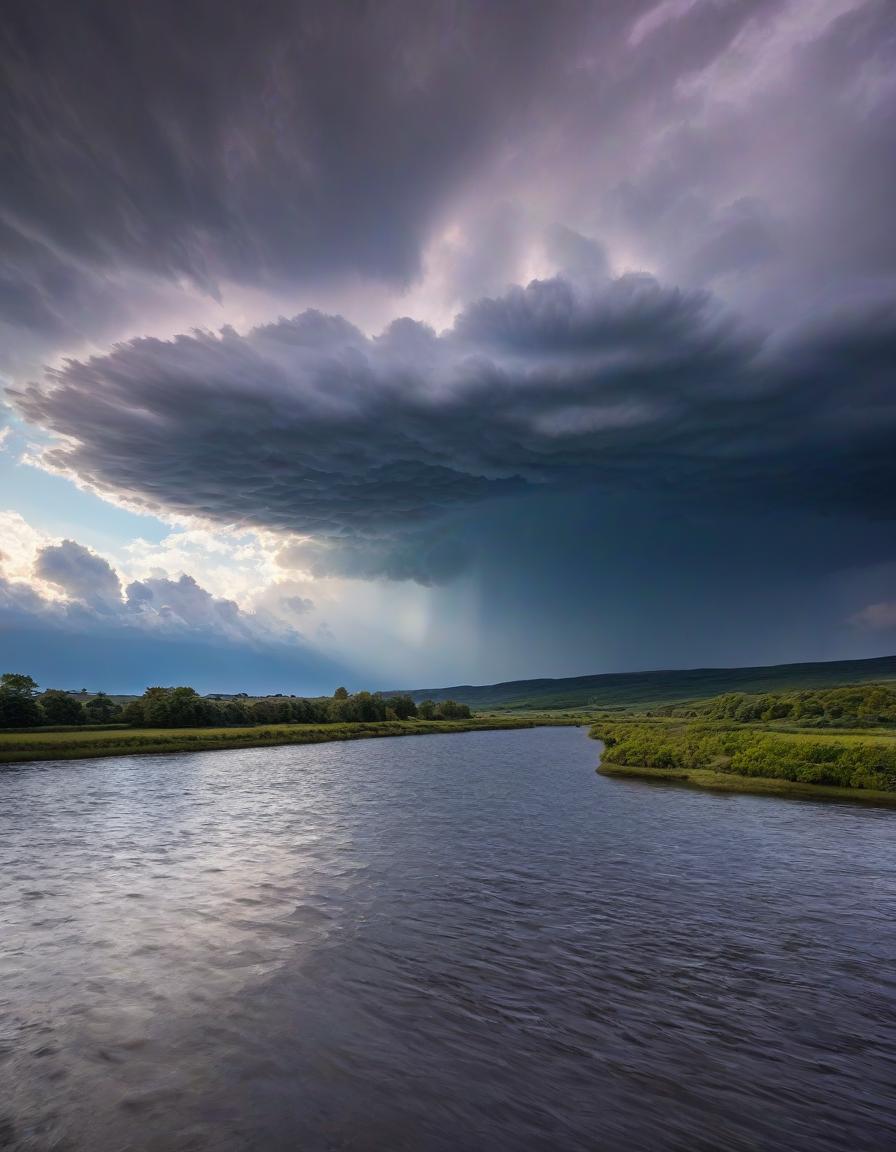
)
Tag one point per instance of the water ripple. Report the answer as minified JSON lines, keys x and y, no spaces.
{"x":454,"y":943}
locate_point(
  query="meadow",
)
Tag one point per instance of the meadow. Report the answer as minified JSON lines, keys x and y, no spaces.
{"x":823,"y":743}
{"x":83,"y":742}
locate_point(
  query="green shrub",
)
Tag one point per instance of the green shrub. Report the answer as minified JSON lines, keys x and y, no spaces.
{"x":806,"y":759}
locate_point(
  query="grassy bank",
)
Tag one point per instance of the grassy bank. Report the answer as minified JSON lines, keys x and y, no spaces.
{"x":754,"y":785}
{"x":726,"y":751}
{"x":78,"y":744}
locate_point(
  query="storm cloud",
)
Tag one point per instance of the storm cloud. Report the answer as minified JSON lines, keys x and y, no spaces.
{"x":306,"y":426}
{"x":273,"y":143}
{"x":502,"y":299}
{"x":151,"y":147}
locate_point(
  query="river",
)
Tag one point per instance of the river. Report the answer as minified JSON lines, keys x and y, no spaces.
{"x":467,"y":942}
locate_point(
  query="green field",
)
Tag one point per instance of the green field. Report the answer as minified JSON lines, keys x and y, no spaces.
{"x":644,"y":689}
{"x":845,"y":743}
{"x":81,"y":743}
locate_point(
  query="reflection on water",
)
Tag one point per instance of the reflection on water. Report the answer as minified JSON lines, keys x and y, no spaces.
{"x":466,"y":942}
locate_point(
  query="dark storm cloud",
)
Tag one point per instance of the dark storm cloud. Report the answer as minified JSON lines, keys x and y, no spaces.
{"x":745,"y":152}
{"x":147,"y":146}
{"x":307,"y":426}
{"x":428,"y":557}
{"x":776,"y":160}
{"x":272,"y":141}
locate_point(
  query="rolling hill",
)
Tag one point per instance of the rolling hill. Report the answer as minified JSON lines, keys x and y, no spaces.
{"x":627,"y":689}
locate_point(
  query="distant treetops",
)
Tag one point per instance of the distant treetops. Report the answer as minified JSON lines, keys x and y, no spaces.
{"x":184,"y":708}
{"x":22,"y":706}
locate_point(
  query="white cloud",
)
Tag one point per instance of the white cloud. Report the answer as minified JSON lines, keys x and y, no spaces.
{"x":19,"y":545}
{"x":878,"y":617}
{"x":234,"y":564}
{"x":75,"y":584}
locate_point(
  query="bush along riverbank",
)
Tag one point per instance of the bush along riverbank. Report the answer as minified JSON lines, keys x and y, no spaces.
{"x":861,"y":765}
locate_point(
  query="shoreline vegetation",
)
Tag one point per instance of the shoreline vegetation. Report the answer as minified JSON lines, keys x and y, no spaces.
{"x":709,"y":780}
{"x":60,"y":725}
{"x":82,"y":744}
{"x":820,"y":743}
{"x":23,"y":706}
{"x":837,"y":743}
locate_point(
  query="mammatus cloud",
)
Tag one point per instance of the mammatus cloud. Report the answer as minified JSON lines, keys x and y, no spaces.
{"x":370,"y":445}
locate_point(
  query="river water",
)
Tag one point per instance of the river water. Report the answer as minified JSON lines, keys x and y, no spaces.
{"x":446,"y":942}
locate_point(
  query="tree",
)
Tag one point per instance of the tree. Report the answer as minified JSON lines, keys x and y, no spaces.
{"x":18,"y":708}
{"x":341,"y":694}
{"x":368,"y":708}
{"x":187,"y":709}
{"x":133,"y":713}
{"x":236,"y":712}
{"x":339,"y":710}
{"x":451,"y":710}
{"x":18,"y":684}
{"x":155,"y":707}
{"x":60,"y":708}
{"x":101,"y":709}
{"x":426,"y":710}
{"x":271,"y":711}
{"x":403,"y":707}
{"x":181,"y":707}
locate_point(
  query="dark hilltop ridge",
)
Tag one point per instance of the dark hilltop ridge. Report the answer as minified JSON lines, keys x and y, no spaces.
{"x":627,"y":689}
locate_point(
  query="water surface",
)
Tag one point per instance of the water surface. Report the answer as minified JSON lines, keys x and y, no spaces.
{"x":446,"y":942}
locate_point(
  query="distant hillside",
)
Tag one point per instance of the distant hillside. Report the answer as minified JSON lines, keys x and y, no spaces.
{"x":623,"y":689}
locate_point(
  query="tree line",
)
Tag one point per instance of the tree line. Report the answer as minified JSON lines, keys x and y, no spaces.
{"x":852,"y":706}
{"x":21,"y":706}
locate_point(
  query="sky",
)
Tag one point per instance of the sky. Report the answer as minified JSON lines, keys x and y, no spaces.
{"x":427,"y":343}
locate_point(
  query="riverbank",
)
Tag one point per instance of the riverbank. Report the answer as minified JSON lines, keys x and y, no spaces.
{"x":706,"y":778}
{"x":832,"y":744}
{"x":81,"y":744}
